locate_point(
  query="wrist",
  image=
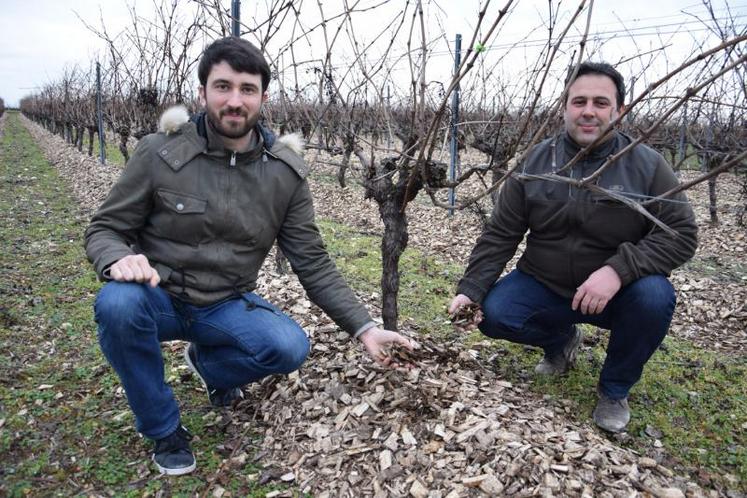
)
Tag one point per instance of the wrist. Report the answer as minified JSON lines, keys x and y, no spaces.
{"x":364,"y":329}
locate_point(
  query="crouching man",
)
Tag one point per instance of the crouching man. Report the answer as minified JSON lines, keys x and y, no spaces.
{"x":181,"y":238}
{"x":588,"y":259}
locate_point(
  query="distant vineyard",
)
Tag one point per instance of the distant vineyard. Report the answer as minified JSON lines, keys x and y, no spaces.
{"x":374,"y":101}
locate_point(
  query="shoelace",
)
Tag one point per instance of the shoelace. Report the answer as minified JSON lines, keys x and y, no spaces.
{"x":178,"y":440}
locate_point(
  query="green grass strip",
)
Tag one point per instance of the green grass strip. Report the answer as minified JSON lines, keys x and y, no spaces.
{"x":66,"y":428}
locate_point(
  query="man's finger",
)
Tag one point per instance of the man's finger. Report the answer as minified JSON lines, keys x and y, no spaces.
{"x":577,"y":298}
{"x":601,"y":305}
{"x":585,"y":302}
{"x":148,"y":271}
{"x":405,"y":342}
{"x":137,"y":274}
{"x":125,"y":272}
{"x":155,"y":278}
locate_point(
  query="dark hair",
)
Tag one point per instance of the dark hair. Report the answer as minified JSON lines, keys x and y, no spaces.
{"x":603,"y":69}
{"x":240,"y":54}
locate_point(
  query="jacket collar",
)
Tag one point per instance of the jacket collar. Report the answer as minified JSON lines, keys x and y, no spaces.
{"x":600,"y":151}
{"x":191,"y":136}
{"x":215,"y":144}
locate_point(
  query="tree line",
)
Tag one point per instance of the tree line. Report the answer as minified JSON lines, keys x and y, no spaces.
{"x":368,"y":96}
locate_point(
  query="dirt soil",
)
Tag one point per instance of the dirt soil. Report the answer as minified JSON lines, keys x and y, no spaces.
{"x":448,"y":427}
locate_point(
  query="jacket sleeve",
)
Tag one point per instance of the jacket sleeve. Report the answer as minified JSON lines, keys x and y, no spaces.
{"x":498,"y":243}
{"x":300,"y":241}
{"x":114,"y":227}
{"x":659,"y":252}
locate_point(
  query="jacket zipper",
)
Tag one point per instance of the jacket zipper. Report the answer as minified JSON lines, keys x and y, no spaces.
{"x":573,"y":228}
{"x":232,"y":162}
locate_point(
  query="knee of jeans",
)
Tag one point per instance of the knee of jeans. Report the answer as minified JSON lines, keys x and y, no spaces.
{"x":492,"y":324}
{"x":117,"y":301}
{"x":653,"y":294}
{"x":285,"y":354}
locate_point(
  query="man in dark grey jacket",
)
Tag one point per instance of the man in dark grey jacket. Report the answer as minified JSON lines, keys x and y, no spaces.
{"x":588,"y":258}
{"x":181,"y":238}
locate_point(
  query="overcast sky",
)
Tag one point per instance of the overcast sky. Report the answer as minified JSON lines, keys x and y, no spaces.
{"x":40,"y":38}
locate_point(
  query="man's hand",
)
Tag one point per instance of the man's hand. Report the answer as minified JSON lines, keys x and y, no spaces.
{"x":459,"y":302}
{"x":594,"y":294}
{"x":134,"y":268}
{"x":376,"y":341}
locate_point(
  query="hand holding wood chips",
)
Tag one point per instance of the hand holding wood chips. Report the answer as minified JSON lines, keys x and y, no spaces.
{"x":467,"y":317}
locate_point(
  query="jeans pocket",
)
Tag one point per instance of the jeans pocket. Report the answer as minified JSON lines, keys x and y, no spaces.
{"x":251,"y":306}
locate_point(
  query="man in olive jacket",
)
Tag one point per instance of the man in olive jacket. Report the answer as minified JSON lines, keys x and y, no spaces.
{"x":588,"y":259}
{"x":181,"y":238}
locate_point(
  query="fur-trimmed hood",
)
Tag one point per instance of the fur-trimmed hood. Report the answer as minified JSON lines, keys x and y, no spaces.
{"x":174,"y":117}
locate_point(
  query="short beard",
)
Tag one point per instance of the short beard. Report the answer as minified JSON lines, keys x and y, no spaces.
{"x":232,"y":133}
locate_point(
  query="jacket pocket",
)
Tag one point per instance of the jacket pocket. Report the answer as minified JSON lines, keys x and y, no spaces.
{"x":179,"y":217}
{"x":181,"y":203}
{"x":611,"y":222}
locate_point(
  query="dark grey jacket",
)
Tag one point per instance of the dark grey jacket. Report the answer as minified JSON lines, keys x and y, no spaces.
{"x":206,"y":221}
{"x":574,"y":232}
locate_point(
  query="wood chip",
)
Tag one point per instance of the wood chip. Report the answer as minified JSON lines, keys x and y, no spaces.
{"x":475,"y":481}
{"x":385,"y":460}
{"x":407,"y":437}
{"x":417,"y":490}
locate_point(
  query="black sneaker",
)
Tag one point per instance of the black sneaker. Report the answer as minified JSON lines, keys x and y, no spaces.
{"x":173,"y":456}
{"x":218,"y":397}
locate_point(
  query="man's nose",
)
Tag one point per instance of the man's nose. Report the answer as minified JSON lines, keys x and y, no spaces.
{"x":588,"y":109}
{"x":234,"y":98}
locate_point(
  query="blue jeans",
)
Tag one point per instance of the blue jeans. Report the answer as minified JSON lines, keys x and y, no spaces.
{"x":520,"y":309}
{"x":237,"y":341}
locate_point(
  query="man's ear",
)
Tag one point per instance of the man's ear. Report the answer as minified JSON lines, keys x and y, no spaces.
{"x":265,"y":97}
{"x":201,"y":93}
{"x":618,"y":112}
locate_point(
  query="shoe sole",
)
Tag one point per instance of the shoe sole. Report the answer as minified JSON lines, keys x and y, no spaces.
{"x":174,"y":472}
{"x":193,"y":367}
{"x":615,"y":430}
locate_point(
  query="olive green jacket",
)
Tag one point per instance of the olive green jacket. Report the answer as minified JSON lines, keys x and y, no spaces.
{"x":573,"y":232}
{"x":206,"y":218}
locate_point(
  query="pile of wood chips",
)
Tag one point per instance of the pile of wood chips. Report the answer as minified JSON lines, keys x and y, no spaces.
{"x":447,"y":427}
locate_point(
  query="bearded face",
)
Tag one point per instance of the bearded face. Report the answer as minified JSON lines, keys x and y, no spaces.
{"x":233,"y":101}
